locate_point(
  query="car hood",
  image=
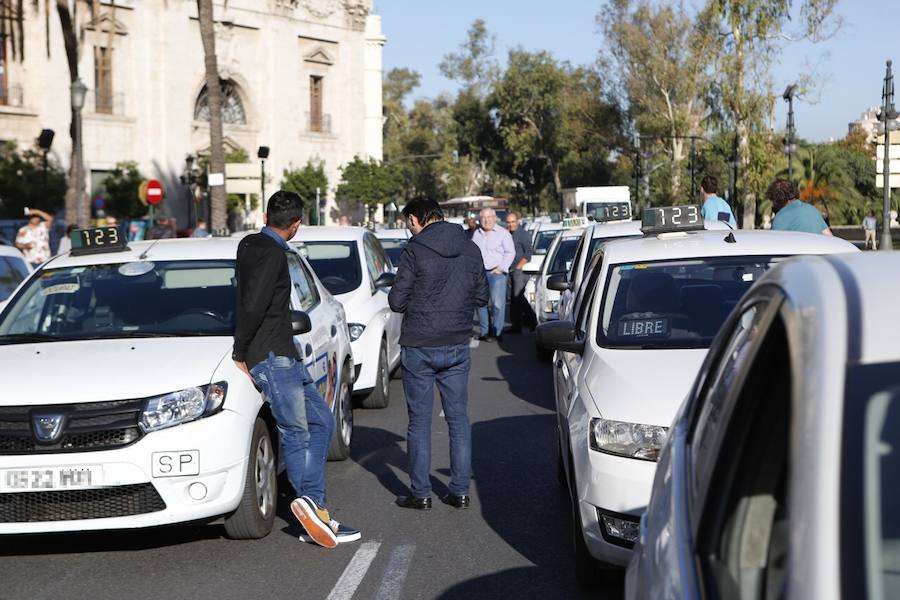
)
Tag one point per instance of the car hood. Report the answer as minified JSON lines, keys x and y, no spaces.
{"x":99,"y":370}
{"x":357,"y":304}
{"x":642,"y":386}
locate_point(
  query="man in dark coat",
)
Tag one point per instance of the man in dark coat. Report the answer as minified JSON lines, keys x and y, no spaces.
{"x":440,"y":282}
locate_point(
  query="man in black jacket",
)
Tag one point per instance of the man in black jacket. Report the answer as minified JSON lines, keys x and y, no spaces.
{"x":440,"y":282}
{"x":263,"y":339}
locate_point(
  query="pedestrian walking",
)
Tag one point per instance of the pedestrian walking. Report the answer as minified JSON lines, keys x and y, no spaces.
{"x":471,"y":226}
{"x":791,"y":213}
{"x":162,"y":229}
{"x":33,"y":239}
{"x":65,"y":243}
{"x":519,"y":310}
{"x":440,"y":280}
{"x":714,"y":207}
{"x":870,"y":224}
{"x":264,"y":349}
{"x":497,"y":252}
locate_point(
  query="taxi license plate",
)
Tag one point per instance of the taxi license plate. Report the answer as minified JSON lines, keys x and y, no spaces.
{"x":50,"y":478}
{"x":176,"y":464}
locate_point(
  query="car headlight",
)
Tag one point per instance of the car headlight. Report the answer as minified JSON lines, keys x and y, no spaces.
{"x":632,"y":440}
{"x":183,"y":406}
{"x":551,"y":306}
{"x":356,"y":331}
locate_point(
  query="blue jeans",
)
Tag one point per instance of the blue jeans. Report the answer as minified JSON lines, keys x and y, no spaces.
{"x":304,"y":421}
{"x":448,"y":366}
{"x":497,"y":305}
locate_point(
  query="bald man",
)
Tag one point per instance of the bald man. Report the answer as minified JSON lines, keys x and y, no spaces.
{"x":497,"y":252}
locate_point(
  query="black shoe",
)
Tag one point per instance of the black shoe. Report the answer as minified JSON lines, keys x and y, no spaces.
{"x":499,"y":338}
{"x":413,"y":502}
{"x":483,"y":338}
{"x":456,"y":501}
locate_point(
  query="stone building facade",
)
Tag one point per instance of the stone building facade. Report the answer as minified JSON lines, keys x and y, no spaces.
{"x":302,"y":77}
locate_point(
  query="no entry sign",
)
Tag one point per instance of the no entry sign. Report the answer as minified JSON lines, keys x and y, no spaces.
{"x":154,"y":192}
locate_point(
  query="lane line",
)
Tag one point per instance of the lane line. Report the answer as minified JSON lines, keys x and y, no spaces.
{"x":395,"y":574}
{"x":353,"y":575}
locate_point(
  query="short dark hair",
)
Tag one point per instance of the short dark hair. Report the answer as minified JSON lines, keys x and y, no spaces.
{"x":781,"y":192}
{"x":284,"y":209}
{"x":424,"y":209}
{"x":710,"y":184}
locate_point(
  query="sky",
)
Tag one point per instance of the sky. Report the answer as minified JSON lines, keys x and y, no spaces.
{"x":850,"y":66}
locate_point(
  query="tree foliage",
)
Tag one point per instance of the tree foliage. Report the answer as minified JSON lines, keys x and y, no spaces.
{"x":122,"y":186}
{"x":305,"y":180}
{"x":22,"y":182}
{"x":369,"y":182}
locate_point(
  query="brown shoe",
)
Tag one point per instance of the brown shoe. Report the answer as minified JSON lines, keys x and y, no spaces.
{"x":315,"y":520}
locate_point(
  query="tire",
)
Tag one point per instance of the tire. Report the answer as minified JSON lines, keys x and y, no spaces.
{"x":380,"y":396}
{"x":343,"y":420}
{"x":255,"y":515}
{"x":543,"y":354}
{"x":589,"y":571}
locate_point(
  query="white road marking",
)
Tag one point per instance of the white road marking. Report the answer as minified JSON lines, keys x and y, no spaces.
{"x":395,"y":574}
{"x":355,"y":571}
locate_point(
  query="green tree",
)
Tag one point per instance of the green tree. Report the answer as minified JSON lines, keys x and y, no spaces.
{"x":304,"y":181}
{"x":22,"y":182}
{"x":474,"y":65}
{"x":122,"y":187}
{"x":369,"y":183}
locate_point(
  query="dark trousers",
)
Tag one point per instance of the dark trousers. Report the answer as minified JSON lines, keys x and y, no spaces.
{"x":520,"y":312}
{"x":448,"y":367}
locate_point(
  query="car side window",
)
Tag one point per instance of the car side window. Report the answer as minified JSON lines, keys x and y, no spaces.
{"x":302,"y":285}
{"x":576,"y":260}
{"x":372,"y":264}
{"x":586,"y":293}
{"x":310,"y":282}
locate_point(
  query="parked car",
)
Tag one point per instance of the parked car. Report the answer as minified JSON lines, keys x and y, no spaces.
{"x":14,"y":269}
{"x":126,"y":409}
{"x":353,"y":265}
{"x":780,"y":475}
{"x":393,"y":241}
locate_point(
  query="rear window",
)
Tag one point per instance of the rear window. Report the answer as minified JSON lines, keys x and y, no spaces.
{"x":674,"y":304}
{"x":394,"y":248}
{"x":543,"y":241}
{"x":12,"y":272}
{"x":336,"y":265}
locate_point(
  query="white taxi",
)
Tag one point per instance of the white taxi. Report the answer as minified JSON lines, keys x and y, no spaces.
{"x":393,"y":241}
{"x":352,"y":264}
{"x":560,"y":258}
{"x":642,"y":321}
{"x":781,"y":472}
{"x":120,"y":406}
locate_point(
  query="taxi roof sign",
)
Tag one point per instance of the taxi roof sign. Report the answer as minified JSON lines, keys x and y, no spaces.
{"x":96,"y":240}
{"x":666,"y":219}
{"x":574,"y":222}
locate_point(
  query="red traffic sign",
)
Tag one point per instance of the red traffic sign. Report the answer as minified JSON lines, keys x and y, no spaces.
{"x":154,"y":192}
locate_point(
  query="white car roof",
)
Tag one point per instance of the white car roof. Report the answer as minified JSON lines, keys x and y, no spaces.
{"x":10,"y":251}
{"x":701,"y":244}
{"x":392,"y":234}
{"x":544,"y":226}
{"x":213,"y":248}
{"x":329,"y":234}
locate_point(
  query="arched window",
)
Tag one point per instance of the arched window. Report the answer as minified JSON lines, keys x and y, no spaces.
{"x":232,"y":106}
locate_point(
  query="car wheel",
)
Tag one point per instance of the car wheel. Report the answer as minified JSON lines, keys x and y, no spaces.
{"x":589,"y":571}
{"x":380,"y":396}
{"x":255,"y":515}
{"x":343,"y":417}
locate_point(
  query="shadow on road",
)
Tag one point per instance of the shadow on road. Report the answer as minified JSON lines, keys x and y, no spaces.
{"x":529,"y":379}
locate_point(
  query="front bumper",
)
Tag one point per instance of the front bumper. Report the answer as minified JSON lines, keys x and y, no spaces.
{"x":222,"y":470}
{"x":365,"y":358}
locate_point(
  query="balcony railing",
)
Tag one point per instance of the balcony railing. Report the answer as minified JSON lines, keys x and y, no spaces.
{"x":318,"y":123}
{"x":106,"y":104}
{"x":12,"y":95}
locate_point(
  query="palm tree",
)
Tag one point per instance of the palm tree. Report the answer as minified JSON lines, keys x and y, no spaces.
{"x":214,"y":91}
{"x":826,"y":182}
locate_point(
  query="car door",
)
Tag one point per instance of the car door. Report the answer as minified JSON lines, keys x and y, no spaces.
{"x":377,"y":263}
{"x":315,"y":344}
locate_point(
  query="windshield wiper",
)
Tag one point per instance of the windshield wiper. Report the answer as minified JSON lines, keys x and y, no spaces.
{"x":128,"y":334}
{"x":26,"y":338}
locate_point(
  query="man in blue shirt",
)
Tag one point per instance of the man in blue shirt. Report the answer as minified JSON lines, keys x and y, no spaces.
{"x":791,"y":213}
{"x":715,"y":208}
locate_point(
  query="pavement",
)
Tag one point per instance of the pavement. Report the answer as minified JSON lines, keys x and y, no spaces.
{"x":514,"y":541}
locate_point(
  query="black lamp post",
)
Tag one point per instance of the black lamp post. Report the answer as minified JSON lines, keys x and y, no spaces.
{"x":887,"y":115}
{"x":189,"y":179}
{"x":790,"y":148}
{"x":262,"y":154}
{"x":45,"y":140}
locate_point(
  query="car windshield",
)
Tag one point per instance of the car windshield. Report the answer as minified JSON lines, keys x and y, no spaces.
{"x":543,"y":240}
{"x":676,"y":303}
{"x":12,"y":273}
{"x":336,"y":265}
{"x":393,"y":247}
{"x":136,"y":299}
{"x":562,"y":259}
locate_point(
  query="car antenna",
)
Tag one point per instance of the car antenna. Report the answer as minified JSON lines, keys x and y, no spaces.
{"x":143,"y":255}
{"x":730,"y":239}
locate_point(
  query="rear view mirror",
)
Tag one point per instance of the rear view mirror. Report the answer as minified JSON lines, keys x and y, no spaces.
{"x":385,"y":280}
{"x":300,"y":322}
{"x":559,"y":335}
{"x":558,"y":282}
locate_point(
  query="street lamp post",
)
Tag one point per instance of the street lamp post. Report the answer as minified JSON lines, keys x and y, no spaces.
{"x":189,"y":179}
{"x":78,"y":91}
{"x":789,"y":146}
{"x":45,"y":140}
{"x":888,"y":116}
{"x":262,"y":154}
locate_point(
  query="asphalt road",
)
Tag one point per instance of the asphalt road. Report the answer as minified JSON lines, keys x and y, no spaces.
{"x":514,"y":542}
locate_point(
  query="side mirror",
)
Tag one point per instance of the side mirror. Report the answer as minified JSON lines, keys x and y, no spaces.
{"x":385,"y":280}
{"x":558,"y":282}
{"x":559,"y":335}
{"x":300,"y":322}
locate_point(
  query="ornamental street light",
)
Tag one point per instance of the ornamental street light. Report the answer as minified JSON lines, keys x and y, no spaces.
{"x":189,"y":179}
{"x":790,"y":147}
{"x":45,"y":140}
{"x":887,"y":115}
{"x":262,"y":154}
{"x":78,"y":91}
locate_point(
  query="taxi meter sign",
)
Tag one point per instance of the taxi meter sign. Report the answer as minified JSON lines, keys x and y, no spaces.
{"x":666,"y":219}
{"x":154,"y":192}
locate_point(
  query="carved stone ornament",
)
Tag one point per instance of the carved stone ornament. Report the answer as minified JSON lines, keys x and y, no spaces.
{"x":227,"y":58}
{"x":320,"y":9}
{"x":357,"y":11}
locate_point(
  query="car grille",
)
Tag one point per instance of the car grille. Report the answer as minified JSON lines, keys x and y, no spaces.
{"x":73,"y":505}
{"x":89,"y":426}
